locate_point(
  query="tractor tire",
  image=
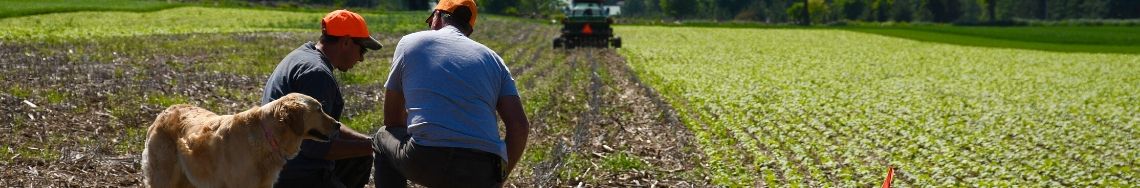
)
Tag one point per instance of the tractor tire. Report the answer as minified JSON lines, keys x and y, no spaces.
{"x":558,"y":42}
{"x":616,"y":42}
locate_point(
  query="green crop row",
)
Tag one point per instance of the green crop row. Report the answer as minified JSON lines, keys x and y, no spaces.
{"x":834,"y":108}
{"x":1059,"y":39}
{"x":13,"y":8}
{"x":83,"y":25}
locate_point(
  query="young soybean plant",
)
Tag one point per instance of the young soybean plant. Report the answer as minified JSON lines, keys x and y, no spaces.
{"x":835,"y":108}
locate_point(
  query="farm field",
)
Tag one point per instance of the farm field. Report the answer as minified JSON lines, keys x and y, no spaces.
{"x":13,"y":8}
{"x":1102,"y":39}
{"x":1104,"y":35}
{"x":79,"y":93}
{"x":676,"y":107}
{"x":820,"y":108}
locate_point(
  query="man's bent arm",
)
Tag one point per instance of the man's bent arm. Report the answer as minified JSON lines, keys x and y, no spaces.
{"x":394,"y":113}
{"x":349,"y":144}
{"x":517,"y":127}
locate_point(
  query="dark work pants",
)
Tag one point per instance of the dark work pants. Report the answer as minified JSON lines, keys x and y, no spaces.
{"x":353,"y":172}
{"x":350,"y":173}
{"x":399,"y":160}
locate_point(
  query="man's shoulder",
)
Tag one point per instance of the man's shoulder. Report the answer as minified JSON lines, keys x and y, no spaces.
{"x":430,"y":36}
{"x":426,"y":40}
{"x":419,"y":35}
{"x":304,"y":61}
{"x":302,"y":55}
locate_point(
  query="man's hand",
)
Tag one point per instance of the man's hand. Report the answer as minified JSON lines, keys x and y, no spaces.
{"x":514,"y":118}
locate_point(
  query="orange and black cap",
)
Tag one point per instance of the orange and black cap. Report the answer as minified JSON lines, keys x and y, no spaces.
{"x":343,"y":23}
{"x":451,"y":5}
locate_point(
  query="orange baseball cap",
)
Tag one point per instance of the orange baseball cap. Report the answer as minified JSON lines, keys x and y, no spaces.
{"x":451,"y":5}
{"x":350,"y":24}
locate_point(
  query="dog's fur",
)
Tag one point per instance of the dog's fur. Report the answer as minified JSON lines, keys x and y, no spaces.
{"x":188,"y":146}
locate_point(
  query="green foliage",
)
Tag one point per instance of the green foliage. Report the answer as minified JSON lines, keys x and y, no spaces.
{"x":642,"y":9}
{"x":496,"y":6}
{"x":903,"y":10}
{"x":821,"y":108}
{"x":622,"y":161}
{"x":944,"y":10}
{"x":528,"y":8}
{"x":54,"y":96}
{"x":819,"y":11}
{"x":1075,"y":22}
{"x":79,"y":25}
{"x":132,"y":139}
{"x":576,"y":167}
{"x":941,"y":11}
{"x":852,"y":9}
{"x":1064,"y":39}
{"x":17,"y":91}
{"x":166,"y":100}
{"x":990,"y":9}
{"x":880,"y":10}
{"x":795,"y":11}
{"x":14,"y":8}
{"x":83,"y":25}
{"x":679,"y":9}
{"x":366,"y":122}
{"x":8,"y":153}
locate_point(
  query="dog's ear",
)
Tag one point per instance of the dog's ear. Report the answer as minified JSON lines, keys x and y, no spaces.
{"x":291,"y":112}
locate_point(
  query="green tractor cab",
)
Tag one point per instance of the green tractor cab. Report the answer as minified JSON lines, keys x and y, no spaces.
{"x":587,"y":24}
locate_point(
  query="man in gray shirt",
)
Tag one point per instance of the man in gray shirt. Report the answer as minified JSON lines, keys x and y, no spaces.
{"x":441,"y":98}
{"x":343,"y":161}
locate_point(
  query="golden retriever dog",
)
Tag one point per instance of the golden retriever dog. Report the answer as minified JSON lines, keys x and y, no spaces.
{"x":188,"y":146}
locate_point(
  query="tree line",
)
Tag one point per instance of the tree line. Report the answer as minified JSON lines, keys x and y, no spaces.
{"x":802,"y":11}
{"x":826,"y":11}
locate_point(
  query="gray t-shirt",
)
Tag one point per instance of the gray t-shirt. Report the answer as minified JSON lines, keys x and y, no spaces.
{"x":308,"y":72}
{"x":451,"y":85}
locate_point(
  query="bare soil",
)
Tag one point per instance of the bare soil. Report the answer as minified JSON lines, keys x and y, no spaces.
{"x":74,"y":113}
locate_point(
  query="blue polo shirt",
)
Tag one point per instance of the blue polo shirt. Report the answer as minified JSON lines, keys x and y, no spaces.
{"x":451,"y":85}
{"x":308,"y":72}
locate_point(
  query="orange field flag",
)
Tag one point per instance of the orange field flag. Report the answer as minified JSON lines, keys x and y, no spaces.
{"x":890,"y":177}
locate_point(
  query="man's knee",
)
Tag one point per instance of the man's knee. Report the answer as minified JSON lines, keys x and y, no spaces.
{"x":399,"y":133}
{"x":389,"y":139}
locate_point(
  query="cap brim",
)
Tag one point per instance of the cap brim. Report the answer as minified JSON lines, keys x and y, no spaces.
{"x":370,"y":43}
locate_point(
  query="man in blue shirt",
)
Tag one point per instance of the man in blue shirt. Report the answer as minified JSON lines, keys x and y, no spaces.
{"x":440,"y":103}
{"x":346,"y":160}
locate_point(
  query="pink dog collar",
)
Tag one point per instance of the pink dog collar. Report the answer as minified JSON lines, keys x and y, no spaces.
{"x":273,"y":142}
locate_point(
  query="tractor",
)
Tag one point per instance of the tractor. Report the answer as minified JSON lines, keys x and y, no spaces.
{"x":587,"y":24}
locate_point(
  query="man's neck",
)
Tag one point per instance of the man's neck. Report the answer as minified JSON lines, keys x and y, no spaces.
{"x":445,"y":27}
{"x":320,"y":47}
{"x":321,"y":50}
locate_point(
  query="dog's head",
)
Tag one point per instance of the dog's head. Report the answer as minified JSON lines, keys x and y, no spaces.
{"x":303,"y":117}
